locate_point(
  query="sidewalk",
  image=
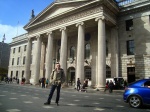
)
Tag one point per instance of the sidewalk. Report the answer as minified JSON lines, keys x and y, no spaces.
{"x":72,"y":89}
{"x":92,"y":90}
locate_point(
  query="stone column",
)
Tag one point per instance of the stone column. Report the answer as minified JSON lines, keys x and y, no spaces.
{"x":63,"y":49}
{"x":49,"y":55}
{"x":80,"y":52}
{"x":42,"y":63}
{"x":114,"y":53}
{"x":101,"y":53}
{"x":37,"y":60}
{"x":28,"y":60}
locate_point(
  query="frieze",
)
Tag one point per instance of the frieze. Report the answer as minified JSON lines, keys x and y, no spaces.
{"x":68,"y":19}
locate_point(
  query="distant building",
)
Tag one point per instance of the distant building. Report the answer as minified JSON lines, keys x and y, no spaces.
{"x":4,"y":55}
{"x":92,"y":39}
{"x":17,"y":56}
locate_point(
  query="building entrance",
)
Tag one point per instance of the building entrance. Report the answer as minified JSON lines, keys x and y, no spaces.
{"x":71,"y":76}
{"x":131,"y":74}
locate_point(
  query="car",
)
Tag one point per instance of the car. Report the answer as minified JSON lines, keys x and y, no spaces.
{"x":137,"y":93}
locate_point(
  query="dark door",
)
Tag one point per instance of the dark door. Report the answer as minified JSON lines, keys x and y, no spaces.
{"x":131,"y":74}
{"x":72,"y":77}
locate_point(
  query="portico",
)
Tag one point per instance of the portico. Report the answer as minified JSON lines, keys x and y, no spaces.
{"x":71,"y":28}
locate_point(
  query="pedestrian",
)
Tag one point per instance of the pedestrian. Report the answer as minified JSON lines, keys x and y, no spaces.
{"x":83,"y":89}
{"x":78,"y":84}
{"x":106,"y":86}
{"x":57,"y":78}
{"x":47,"y":82}
{"x":43,"y":82}
{"x":125,"y":83}
{"x":111,"y":86}
{"x":40,"y":81}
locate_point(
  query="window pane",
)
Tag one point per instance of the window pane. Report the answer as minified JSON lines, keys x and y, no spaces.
{"x":130,"y":47}
{"x":72,"y":52}
{"x":87,"y":51}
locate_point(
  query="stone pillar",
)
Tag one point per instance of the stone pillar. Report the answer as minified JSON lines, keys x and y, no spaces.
{"x":37,"y":60}
{"x":101,"y":53}
{"x":114,"y":53}
{"x":80,"y":52}
{"x":49,"y":55}
{"x":63,"y":49}
{"x":42,"y":63}
{"x":28,"y":60}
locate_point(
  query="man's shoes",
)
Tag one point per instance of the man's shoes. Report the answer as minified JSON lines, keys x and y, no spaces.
{"x":57,"y":104}
{"x":47,"y":103}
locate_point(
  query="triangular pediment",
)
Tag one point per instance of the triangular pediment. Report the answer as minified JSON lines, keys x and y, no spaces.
{"x":54,"y":10}
{"x":59,"y":11}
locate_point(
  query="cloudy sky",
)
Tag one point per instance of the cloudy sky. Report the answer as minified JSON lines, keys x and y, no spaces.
{"x":14,"y":14}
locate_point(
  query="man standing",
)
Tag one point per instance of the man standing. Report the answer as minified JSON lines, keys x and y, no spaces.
{"x":78,"y":84}
{"x":56,"y":79}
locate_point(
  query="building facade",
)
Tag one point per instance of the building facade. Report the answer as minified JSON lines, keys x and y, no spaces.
{"x":92,"y":39}
{"x":17,"y":56}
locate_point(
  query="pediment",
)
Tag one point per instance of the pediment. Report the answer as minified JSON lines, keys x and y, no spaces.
{"x":53,"y":11}
{"x":58,"y":11}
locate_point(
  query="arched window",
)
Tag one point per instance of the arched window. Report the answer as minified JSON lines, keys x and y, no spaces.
{"x":58,"y":55}
{"x":72,"y":52}
{"x":87,"y":51}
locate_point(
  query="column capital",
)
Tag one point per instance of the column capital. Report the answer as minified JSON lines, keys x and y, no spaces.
{"x":81,"y":23}
{"x":37,"y":36}
{"x":29,"y":38}
{"x":63,"y":28}
{"x":50,"y":32}
{"x":101,"y":18}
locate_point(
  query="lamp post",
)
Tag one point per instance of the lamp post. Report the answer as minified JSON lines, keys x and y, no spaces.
{"x":54,"y":61}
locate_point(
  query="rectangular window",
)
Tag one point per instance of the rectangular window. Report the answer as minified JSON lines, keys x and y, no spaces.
{"x":14,"y":50}
{"x":129,"y":25}
{"x":18,"y":61}
{"x":11,"y":73}
{"x":24,"y":59}
{"x":19,"y":49}
{"x":12,"y":61}
{"x":22,"y":73}
{"x":25,"y":47}
{"x":130,"y":47}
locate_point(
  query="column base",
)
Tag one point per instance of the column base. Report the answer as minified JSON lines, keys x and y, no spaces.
{"x":64,"y":85}
{"x":99,"y":88}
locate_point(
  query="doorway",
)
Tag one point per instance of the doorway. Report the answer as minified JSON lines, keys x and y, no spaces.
{"x":131,"y":74}
{"x":71,"y":76}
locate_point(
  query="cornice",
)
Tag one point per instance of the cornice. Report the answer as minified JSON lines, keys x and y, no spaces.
{"x":135,"y":7}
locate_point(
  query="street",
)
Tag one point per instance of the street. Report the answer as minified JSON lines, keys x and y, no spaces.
{"x":22,"y":98}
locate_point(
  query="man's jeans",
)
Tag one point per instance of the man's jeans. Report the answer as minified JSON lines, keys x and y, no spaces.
{"x":53,"y":87}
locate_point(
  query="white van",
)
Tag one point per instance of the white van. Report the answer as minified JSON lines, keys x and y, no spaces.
{"x":120,"y":81}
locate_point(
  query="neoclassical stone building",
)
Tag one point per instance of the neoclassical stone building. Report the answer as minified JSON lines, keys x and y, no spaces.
{"x":92,"y":39}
